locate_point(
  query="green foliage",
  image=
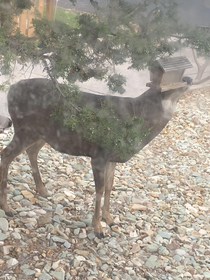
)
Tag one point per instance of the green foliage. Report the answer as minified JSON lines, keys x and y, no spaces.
{"x":98,"y":125}
{"x":81,"y":46}
{"x":116,"y":82}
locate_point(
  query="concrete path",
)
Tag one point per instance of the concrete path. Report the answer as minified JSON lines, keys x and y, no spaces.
{"x":136,"y":80}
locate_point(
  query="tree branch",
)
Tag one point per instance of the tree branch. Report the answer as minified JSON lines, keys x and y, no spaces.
{"x":195,"y":58}
{"x":54,"y":80}
{"x":201,"y":81}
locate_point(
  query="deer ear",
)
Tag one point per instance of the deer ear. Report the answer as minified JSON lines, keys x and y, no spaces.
{"x":5,"y":122}
{"x":188,"y":80}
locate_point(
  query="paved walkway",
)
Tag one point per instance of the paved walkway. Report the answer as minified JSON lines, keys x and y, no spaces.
{"x":136,"y":80}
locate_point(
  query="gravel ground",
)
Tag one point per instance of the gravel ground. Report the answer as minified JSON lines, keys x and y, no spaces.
{"x":160,"y":201}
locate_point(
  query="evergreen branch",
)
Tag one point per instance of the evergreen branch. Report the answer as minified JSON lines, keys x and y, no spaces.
{"x":55,"y":82}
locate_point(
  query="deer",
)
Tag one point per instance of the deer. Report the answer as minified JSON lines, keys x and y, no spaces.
{"x":30,"y":110}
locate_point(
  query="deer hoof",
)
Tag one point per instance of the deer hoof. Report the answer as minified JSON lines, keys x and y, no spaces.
{"x":99,"y":235}
{"x":43,"y":193}
{"x":9,"y":213}
{"x":114,"y":227}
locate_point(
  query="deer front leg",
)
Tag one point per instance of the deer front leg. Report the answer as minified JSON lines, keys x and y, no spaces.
{"x":109,"y":179}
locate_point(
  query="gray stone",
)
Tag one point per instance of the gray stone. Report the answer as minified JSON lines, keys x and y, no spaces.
{"x":67,"y":245}
{"x":56,"y":219}
{"x":206,"y":274}
{"x":151,"y":248}
{"x":164,"y":234}
{"x":78,"y":166}
{"x":18,"y":197}
{"x":180,"y":252}
{"x":16,"y":192}
{"x":11,"y":262}
{"x":91,"y":235}
{"x":28,"y":272}
{"x":58,"y":239}
{"x":4,"y":226}
{"x":77,"y":224}
{"x":16,"y":235}
{"x":58,"y":275}
{"x":104,"y":267}
{"x":47,"y":268}
{"x":130,"y":217}
{"x":2,"y":213}
{"x":152,"y":262}
{"x":25,"y":168}
{"x":23,"y":214}
{"x":163,"y":251}
{"x":177,"y":258}
{"x":76,"y":231}
{"x":24,"y":266}
{"x":68,"y":276}
{"x":159,"y":238}
{"x":45,"y":276}
{"x":3,"y":236}
{"x":88,"y":222}
{"x":121,"y":188}
{"x":83,"y":234}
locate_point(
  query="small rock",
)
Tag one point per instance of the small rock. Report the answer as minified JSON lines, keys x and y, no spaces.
{"x":177,"y":258}
{"x":45,"y":276}
{"x":180,"y":252}
{"x":44,"y":219}
{"x":55,"y":265}
{"x":6,"y":249}
{"x":130,"y":217}
{"x":136,"y":262}
{"x":29,"y":272}
{"x":104,"y":267}
{"x":31,"y":214}
{"x":206,"y":274}
{"x":152,"y":262}
{"x":18,"y":198}
{"x":16,"y":235}
{"x":139,"y":207}
{"x":83,"y":234}
{"x":12,"y":262}
{"x":159,"y":239}
{"x":77,"y":224}
{"x":67,"y":245}
{"x":47,"y":268}
{"x":58,"y":239}
{"x":91,"y":235}
{"x":3,"y":236}
{"x":163,"y":251}
{"x":82,"y":252}
{"x":4,"y":226}
{"x":164,"y":234}
{"x":76,"y":231}
{"x":152,"y":248}
{"x":16,"y":192}
{"x":2,"y":213}
{"x":27,"y":194}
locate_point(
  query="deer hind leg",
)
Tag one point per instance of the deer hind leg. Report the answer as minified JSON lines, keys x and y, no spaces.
{"x":32,"y":152}
{"x":19,"y":143}
{"x":103,"y":173}
{"x":109,"y":179}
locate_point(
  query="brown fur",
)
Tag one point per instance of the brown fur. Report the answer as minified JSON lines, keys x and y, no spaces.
{"x":29,"y":109}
